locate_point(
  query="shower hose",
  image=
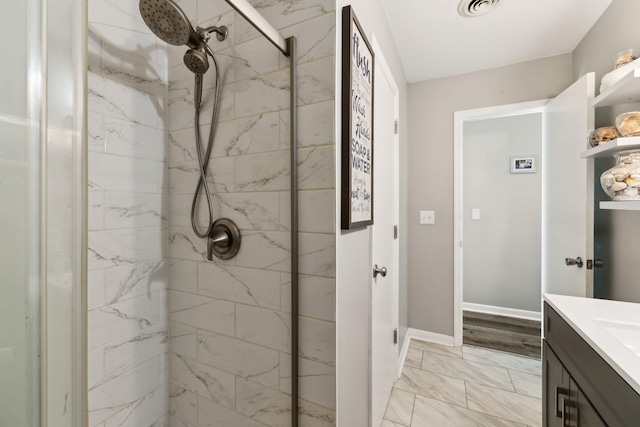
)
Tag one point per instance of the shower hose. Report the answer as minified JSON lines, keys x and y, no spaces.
{"x":203,"y":158}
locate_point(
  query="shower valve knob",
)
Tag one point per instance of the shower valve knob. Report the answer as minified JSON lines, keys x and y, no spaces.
{"x":224,"y":240}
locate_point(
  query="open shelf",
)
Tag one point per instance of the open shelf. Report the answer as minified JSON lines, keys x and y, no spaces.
{"x":622,"y":205}
{"x":612,"y":147}
{"x":624,"y":91}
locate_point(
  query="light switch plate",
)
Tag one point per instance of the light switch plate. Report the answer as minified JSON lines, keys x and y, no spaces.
{"x":427,"y":217}
{"x":475,"y":214}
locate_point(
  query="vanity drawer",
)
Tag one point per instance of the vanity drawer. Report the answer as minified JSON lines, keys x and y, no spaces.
{"x":615,"y":400}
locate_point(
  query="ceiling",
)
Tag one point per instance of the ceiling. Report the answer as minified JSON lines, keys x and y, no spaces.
{"x":434,"y":41}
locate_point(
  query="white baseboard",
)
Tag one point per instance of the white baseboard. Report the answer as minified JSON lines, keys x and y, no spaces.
{"x":422,"y":336}
{"x":502,"y":311}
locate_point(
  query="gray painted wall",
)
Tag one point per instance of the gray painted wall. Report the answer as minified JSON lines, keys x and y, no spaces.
{"x":616,"y":232}
{"x":430,"y":161}
{"x":502,"y":250}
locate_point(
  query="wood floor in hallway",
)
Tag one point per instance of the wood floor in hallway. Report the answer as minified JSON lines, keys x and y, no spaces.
{"x":510,"y":334}
{"x":465,"y":386}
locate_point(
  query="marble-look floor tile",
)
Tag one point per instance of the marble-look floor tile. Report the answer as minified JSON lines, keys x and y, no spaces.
{"x":527,"y":384}
{"x":428,"y":384}
{"x":387,"y":423}
{"x":492,"y":376}
{"x":414,"y":358}
{"x":446,"y":350}
{"x":433,"y":413}
{"x":400,"y":407}
{"x":512,"y":406}
{"x":505,"y":360}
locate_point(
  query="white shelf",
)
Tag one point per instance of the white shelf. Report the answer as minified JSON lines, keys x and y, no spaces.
{"x":622,"y":205}
{"x":624,"y":91}
{"x":612,"y":147}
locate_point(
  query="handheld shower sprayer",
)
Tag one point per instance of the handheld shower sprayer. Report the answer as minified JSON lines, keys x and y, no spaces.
{"x":167,"y":21}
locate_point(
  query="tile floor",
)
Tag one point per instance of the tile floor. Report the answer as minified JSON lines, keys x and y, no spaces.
{"x":465,"y":386}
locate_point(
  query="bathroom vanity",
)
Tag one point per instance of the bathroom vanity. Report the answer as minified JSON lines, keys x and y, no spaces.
{"x":591,"y":362}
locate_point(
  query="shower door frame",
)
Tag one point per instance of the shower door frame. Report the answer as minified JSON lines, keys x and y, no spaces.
{"x":289,"y":48}
{"x":63,"y":217}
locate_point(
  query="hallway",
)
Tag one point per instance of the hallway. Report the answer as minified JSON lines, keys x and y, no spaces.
{"x":465,"y":386}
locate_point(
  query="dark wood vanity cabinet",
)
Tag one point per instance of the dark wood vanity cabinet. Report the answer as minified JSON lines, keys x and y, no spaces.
{"x":580,"y":389}
{"x":565,"y":402}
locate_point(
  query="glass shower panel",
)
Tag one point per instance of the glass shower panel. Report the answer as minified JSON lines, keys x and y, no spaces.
{"x":19,"y":215}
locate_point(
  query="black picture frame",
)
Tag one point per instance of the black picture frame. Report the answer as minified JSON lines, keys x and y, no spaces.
{"x":358,"y":62}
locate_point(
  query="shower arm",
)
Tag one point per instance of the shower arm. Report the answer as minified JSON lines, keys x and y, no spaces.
{"x":205,"y":33}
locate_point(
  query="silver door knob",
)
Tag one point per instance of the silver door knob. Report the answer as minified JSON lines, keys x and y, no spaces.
{"x":381,"y":271}
{"x":571,"y":261}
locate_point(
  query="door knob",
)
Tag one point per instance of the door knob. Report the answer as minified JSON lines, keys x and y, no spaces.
{"x":381,"y":271}
{"x":577,"y":261}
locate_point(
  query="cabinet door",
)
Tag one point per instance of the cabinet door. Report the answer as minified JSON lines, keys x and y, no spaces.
{"x":579,"y":411}
{"x":555,"y":387}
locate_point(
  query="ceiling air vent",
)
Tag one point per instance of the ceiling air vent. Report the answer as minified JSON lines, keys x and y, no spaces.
{"x":473,"y":8}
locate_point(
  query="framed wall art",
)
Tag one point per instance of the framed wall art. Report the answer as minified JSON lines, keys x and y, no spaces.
{"x":523,"y":164}
{"x":357,"y":124}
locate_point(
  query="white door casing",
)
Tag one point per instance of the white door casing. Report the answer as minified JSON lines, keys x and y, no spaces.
{"x":567,"y":188}
{"x":384,"y":247}
{"x":459,"y":118}
{"x":567,"y":193}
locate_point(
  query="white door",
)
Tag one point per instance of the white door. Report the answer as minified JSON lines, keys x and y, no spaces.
{"x":567,"y":181}
{"x":384,"y":290}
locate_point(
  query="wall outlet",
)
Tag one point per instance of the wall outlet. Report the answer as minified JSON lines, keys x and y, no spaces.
{"x":427,"y":217}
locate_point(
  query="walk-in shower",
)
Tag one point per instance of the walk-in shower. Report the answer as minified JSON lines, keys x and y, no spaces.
{"x":167,"y":21}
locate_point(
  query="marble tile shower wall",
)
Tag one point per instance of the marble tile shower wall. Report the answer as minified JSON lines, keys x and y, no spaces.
{"x":230,"y":347}
{"x":128,"y":226}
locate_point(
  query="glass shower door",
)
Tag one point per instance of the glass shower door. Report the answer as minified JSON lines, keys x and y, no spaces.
{"x":19,"y":214}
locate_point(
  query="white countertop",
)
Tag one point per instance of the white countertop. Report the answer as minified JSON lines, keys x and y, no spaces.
{"x":591,"y":318}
